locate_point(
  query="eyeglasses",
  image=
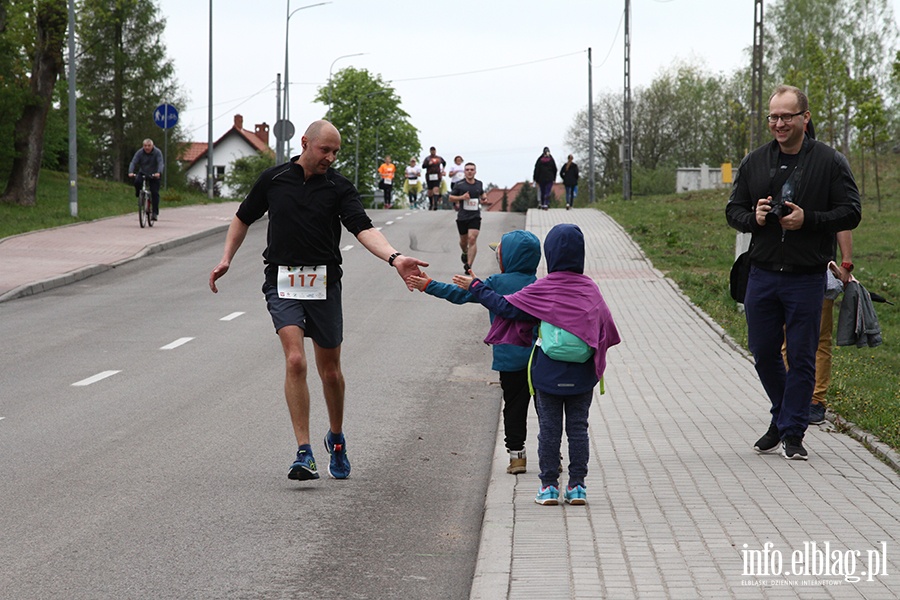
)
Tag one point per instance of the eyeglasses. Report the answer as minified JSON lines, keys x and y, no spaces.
{"x":786,"y":119}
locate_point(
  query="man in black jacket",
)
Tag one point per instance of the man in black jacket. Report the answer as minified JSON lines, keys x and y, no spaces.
{"x":793,"y":194}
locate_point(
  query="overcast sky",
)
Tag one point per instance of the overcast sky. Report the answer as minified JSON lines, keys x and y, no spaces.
{"x":492,"y":80}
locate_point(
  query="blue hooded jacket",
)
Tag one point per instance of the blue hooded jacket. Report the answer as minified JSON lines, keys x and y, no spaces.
{"x":520,"y":253}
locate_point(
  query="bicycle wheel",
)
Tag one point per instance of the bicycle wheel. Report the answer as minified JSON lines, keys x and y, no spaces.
{"x":149,"y":210}
{"x":142,"y":203}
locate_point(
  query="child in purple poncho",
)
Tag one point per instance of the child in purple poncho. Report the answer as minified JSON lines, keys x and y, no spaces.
{"x":572,"y":301}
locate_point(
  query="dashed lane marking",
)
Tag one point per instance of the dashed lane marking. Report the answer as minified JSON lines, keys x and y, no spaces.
{"x":95,"y":378}
{"x":388,"y":222}
{"x":176,"y":343}
{"x":232,"y":316}
{"x":347,"y":248}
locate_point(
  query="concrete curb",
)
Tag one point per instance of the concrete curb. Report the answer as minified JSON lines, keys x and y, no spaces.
{"x":494,"y":564}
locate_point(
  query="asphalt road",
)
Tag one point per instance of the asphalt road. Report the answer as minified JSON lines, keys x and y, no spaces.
{"x":145,"y":443}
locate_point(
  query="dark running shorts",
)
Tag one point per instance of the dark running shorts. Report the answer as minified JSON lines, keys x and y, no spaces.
{"x":321,"y":320}
{"x":463,"y":227}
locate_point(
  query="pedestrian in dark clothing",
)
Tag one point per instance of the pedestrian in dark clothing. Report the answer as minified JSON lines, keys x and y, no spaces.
{"x":569,"y":175}
{"x":544,"y":177}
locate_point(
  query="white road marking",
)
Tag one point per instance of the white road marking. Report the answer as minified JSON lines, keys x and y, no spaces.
{"x":388,"y":222}
{"x":1,"y":418}
{"x":399,"y":218}
{"x":95,"y":378}
{"x":378,"y":229}
{"x":347,"y":248}
{"x":232,"y":316}
{"x":176,"y":343}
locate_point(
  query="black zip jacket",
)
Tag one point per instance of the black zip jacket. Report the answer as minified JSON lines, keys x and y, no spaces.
{"x":826,"y":192}
{"x":305,"y":217}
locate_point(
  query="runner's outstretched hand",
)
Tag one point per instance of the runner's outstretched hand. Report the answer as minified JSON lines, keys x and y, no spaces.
{"x":408,"y":266}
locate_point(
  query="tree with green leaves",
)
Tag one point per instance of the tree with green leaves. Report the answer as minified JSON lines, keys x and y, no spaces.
{"x":245,"y":171}
{"x":44,"y":53}
{"x":871,"y":122}
{"x":525,"y":198}
{"x":123,"y":74}
{"x":366,"y":110}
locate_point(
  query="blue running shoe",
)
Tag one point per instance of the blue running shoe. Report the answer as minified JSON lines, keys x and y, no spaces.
{"x":576,"y":496}
{"x":305,"y":466}
{"x":339,"y":466}
{"x":548,"y":496}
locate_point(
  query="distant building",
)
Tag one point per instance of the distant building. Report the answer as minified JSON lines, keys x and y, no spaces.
{"x":236,"y":143}
{"x":689,"y":179}
{"x":494,"y":198}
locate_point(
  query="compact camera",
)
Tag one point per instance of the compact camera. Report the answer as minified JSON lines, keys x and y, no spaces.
{"x":779,"y":208}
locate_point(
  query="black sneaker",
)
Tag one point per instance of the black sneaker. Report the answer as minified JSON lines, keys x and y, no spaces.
{"x":792,"y":449}
{"x":467,"y":269}
{"x":816,"y":413}
{"x":769,"y":441}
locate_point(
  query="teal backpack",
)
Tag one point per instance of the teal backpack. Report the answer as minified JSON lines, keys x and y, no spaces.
{"x":559,"y":344}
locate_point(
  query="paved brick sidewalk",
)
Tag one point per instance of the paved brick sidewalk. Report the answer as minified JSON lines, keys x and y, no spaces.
{"x":677,"y":499}
{"x":38,"y":261}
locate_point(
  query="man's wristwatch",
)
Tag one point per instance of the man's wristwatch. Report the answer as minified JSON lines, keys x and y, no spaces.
{"x":847,"y":266}
{"x":393,"y":257}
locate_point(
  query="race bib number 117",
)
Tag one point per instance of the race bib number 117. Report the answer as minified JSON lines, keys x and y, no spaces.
{"x":302,"y":283}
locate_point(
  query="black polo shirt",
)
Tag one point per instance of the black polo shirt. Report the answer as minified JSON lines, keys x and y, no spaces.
{"x":305,"y":217}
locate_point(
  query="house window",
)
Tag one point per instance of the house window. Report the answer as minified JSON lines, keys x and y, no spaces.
{"x":220,"y":171}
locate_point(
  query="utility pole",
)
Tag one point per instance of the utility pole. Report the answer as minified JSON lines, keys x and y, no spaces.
{"x":626,"y":142}
{"x":210,"y":168}
{"x":279,"y":140}
{"x":756,"y":76}
{"x":590,"y":127}
{"x":73,"y":130}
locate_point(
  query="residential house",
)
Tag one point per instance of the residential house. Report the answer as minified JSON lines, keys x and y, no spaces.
{"x":236,"y":143}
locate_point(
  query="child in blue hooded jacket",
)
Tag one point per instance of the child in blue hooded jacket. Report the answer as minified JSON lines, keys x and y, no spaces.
{"x":569,"y":300}
{"x":519,"y":254}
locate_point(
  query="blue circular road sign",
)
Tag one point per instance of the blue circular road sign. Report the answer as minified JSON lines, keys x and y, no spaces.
{"x":165,"y":116}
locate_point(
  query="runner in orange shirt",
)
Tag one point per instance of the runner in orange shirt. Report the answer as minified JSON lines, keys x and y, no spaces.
{"x":387,"y":170}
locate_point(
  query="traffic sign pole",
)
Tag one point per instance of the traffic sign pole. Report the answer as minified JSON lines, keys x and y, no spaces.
{"x":165,"y":116}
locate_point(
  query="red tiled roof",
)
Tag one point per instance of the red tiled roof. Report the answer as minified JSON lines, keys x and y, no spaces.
{"x":193,"y":150}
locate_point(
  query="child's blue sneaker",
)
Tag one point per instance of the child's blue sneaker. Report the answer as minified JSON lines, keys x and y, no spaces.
{"x":339,"y":465}
{"x":305,"y":466}
{"x":548,"y":496}
{"x":576,"y":495}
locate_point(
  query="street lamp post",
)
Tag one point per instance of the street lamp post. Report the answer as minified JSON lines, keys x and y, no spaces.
{"x":358,"y":116}
{"x":328,"y":115}
{"x":377,"y":150}
{"x":286,"y":112}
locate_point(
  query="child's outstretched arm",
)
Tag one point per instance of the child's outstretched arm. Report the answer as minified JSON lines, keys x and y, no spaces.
{"x":447,"y":291}
{"x":490,"y":299}
{"x":417,"y":282}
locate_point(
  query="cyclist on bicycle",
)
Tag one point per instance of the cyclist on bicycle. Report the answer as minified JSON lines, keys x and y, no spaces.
{"x":147,"y":162}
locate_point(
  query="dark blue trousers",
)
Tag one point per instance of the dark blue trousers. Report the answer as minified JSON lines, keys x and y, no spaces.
{"x":785,"y":308}
{"x":550,"y":410}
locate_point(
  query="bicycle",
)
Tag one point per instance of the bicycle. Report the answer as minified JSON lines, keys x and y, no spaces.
{"x":145,"y":202}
